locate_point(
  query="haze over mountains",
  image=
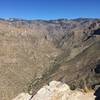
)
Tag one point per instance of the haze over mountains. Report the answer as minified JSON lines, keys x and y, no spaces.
{"x":35,"y":52}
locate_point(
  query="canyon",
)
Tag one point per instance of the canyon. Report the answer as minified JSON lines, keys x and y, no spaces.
{"x":36,"y":52}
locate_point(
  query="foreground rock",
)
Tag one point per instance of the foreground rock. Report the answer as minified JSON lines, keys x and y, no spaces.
{"x":23,"y":96}
{"x":57,"y":91}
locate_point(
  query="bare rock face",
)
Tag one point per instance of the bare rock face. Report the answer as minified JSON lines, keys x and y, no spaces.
{"x":52,"y":92}
{"x":57,"y":91}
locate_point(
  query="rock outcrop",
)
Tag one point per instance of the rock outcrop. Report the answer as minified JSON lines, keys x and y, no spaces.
{"x":57,"y":91}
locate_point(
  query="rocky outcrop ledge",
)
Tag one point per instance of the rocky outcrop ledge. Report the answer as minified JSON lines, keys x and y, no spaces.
{"x":57,"y":91}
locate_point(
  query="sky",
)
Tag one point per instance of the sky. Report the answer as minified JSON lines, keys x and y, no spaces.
{"x":49,"y":9}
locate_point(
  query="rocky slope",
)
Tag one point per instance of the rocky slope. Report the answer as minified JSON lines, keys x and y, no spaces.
{"x":33,"y":53}
{"x":57,"y":91}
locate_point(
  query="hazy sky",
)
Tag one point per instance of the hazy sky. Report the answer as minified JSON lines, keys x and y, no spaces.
{"x":49,"y":9}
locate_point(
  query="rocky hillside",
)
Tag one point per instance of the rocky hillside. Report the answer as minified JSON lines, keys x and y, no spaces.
{"x":35,"y":52}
